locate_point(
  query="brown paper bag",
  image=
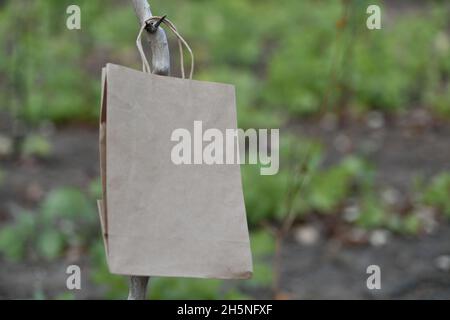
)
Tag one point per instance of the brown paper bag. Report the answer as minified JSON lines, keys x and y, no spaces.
{"x":159,"y":218}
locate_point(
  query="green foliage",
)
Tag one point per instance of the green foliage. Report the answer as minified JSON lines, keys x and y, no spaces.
{"x":372,"y":213}
{"x":408,"y":224}
{"x":330,"y":58}
{"x":298,"y":73}
{"x":411,"y":224}
{"x":264,"y":195}
{"x":437,"y":194}
{"x":379,"y":81}
{"x":36,"y":146}
{"x":15,"y":238}
{"x":44,"y":62}
{"x":67,"y":202}
{"x":439,"y":99}
{"x":285,"y":57}
{"x":262,"y":243}
{"x":329,"y":188}
{"x":263,"y":247}
{"x":299,"y":185}
{"x":391,"y":65}
{"x":50,"y":244}
{"x":267,"y":196}
{"x":65,"y":218}
{"x":247,"y":94}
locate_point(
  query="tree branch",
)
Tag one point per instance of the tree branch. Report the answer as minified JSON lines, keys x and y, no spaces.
{"x":160,"y":65}
{"x":138,"y":287}
{"x":158,"y":40}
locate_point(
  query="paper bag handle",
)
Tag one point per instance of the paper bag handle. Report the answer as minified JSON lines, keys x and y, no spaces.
{"x":181,"y":42}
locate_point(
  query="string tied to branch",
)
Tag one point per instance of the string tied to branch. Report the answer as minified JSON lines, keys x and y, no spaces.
{"x":153,"y":23}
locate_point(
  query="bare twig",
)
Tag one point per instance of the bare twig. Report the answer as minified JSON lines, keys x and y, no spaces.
{"x":138,"y":287}
{"x":158,"y":40}
{"x":160,"y":65}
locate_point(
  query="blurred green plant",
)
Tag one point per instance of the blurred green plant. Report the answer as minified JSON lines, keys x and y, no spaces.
{"x":437,"y":193}
{"x":266,"y":197}
{"x":263,"y":248}
{"x":43,"y":65}
{"x":326,"y":190}
{"x":299,"y":71}
{"x":331,"y":187}
{"x":285,"y":57}
{"x":65,"y":218}
{"x":392,"y":65}
{"x":372,"y":213}
{"x":36,"y":146}
{"x":15,"y":238}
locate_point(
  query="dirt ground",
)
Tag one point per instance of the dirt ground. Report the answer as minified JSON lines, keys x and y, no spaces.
{"x":400,"y":148}
{"x":329,"y":270}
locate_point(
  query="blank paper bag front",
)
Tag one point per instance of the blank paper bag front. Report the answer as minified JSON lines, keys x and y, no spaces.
{"x":159,"y":218}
